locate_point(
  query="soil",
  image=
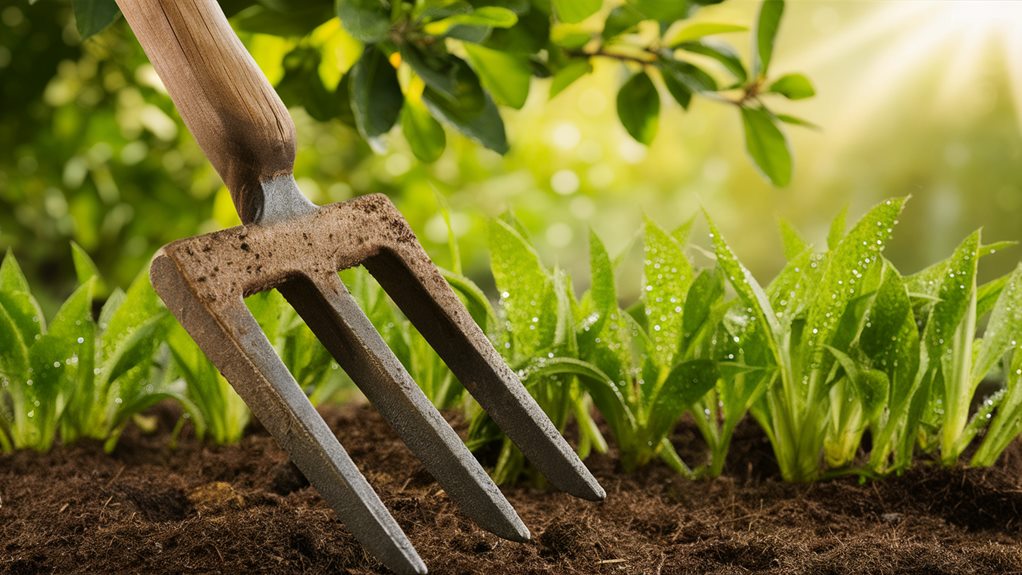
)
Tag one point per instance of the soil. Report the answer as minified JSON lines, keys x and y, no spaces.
{"x":193,"y":508}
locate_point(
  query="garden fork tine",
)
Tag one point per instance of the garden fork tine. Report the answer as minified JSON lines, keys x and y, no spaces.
{"x":290,"y":244}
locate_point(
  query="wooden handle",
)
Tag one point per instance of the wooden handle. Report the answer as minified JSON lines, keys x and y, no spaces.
{"x":225,"y":100}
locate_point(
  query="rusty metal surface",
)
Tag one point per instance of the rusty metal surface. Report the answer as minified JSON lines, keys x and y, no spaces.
{"x":204,"y":280}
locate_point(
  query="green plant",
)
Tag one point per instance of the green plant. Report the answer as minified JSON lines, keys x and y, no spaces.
{"x":75,"y":377}
{"x":424,"y":62}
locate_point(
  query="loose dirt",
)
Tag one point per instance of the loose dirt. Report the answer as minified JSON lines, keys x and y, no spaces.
{"x":155,"y":509}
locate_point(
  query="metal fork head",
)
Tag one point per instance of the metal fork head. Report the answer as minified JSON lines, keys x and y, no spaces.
{"x":204,"y":279}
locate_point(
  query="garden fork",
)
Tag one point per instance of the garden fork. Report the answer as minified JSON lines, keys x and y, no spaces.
{"x":292,"y":245}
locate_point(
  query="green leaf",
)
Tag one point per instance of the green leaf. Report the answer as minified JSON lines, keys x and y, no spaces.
{"x":767,"y":24}
{"x":284,"y":21}
{"x":793,"y":87}
{"x":92,"y":16}
{"x":847,"y":264}
{"x":667,"y":275}
{"x":572,"y":11}
{"x":748,"y":289}
{"x":687,"y":75}
{"x":75,"y":314}
{"x":953,"y":300}
{"x":621,"y":19}
{"x":567,"y":75}
{"x":139,"y":305}
{"x":837,"y":228}
{"x":796,"y":121}
{"x":638,"y":107}
{"x":366,"y":20}
{"x":705,"y":293}
{"x":16,"y":298}
{"x":376,"y":97}
{"x":505,"y":75}
{"x":794,"y":243}
{"x":603,"y":291}
{"x":13,"y":348}
{"x":870,"y":386}
{"x":1003,"y":330}
{"x":685,"y":384}
{"x":767,"y":146}
{"x":446,"y":76}
{"x":527,"y":289}
{"x":721,"y":53}
{"x":662,"y":10}
{"x":484,"y":126}
{"x":690,"y":32}
{"x":425,"y":135}
{"x":485,"y":16}
{"x":475,"y":300}
{"x":85,"y":268}
{"x":135,"y":349}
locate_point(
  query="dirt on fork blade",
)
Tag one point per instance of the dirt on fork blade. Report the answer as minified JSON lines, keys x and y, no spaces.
{"x":153,"y":508}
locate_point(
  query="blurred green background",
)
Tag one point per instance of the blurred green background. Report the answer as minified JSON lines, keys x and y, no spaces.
{"x":919,"y":98}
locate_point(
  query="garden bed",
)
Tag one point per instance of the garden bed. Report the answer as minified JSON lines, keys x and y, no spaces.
{"x":243,"y":509}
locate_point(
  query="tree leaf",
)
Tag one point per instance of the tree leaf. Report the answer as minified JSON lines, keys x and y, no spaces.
{"x":793,"y":87}
{"x":767,"y":146}
{"x":638,"y":107}
{"x":767,"y":23}
{"x":376,"y":97}
{"x":690,"y":32}
{"x":483,"y":125}
{"x":662,"y":10}
{"x":688,"y":75}
{"x":623,"y":18}
{"x":484,"y":16}
{"x":796,"y":121}
{"x":366,"y":20}
{"x":92,"y":16}
{"x":505,"y":75}
{"x":567,"y":75}
{"x":572,"y":11}
{"x":425,"y":135}
{"x":721,"y":53}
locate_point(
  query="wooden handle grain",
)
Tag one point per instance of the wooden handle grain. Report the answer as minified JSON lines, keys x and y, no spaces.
{"x":221,"y":94}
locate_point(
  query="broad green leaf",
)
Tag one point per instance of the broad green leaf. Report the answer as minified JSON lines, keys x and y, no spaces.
{"x":567,"y":75}
{"x":638,"y":107}
{"x":75,"y":314}
{"x":134,"y":350}
{"x":572,"y":11}
{"x":16,"y":298}
{"x":692,"y":31}
{"x":1004,"y":329}
{"x":685,"y":384}
{"x":688,"y":75}
{"x":791,"y":290}
{"x":748,"y":289}
{"x":678,"y":89}
{"x":484,"y":125}
{"x":13,"y":348}
{"x":447,"y":77}
{"x":526,"y":289}
{"x":376,"y":97}
{"x":793,"y":87}
{"x":425,"y":135}
{"x":847,"y":264}
{"x":703,"y":296}
{"x":603,"y":291}
{"x":366,"y":20}
{"x":667,"y":276}
{"x":485,"y":16}
{"x":92,"y":16}
{"x":767,"y":23}
{"x":662,"y":10}
{"x":953,"y":292}
{"x":767,"y":145}
{"x":988,"y":294}
{"x":870,"y":386}
{"x":530,"y":35}
{"x":139,"y":306}
{"x":605,"y":394}
{"x":623,"y":18}
{"x":794,"y":243}
{"x":505,"y":75}
{"x":721,"y":53}
{"x":285,"y":21}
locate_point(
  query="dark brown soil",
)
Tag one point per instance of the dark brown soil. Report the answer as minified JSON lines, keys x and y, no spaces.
{"x":198,"y":509}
